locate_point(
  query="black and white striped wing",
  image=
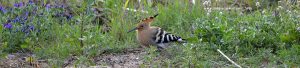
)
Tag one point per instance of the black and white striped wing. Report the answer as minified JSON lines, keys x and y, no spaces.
{"x":165,"y":37}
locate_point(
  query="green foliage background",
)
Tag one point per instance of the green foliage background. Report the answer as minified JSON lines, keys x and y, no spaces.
{"x":250,"y":39}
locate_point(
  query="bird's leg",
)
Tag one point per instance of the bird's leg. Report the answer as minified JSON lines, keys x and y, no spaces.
{"x":160,"y":47}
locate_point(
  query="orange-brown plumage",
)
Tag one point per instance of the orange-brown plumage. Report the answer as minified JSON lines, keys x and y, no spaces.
{"x":145,"y":32}
{"x":145,"y":36}
{"x":148,"y":35}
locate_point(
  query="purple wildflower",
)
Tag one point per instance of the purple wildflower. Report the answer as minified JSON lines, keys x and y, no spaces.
{"x":25,"y":29}
{"x":25,"y":18}
{"x":18,"y":5}
{"x":69,"y":17}
{"x":17,"y":19}
{"x":8,"y":26}
{"x":3,"y":9}
{"x":30,"y":2}
{"x":48,"y":6}
{"x":25,"y":15}
{"x":62,"y":6}
{"x":31,"y":28}
{"x":22,"y":22}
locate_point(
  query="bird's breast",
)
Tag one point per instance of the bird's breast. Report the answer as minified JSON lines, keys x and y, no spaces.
{"x":145,"y":37}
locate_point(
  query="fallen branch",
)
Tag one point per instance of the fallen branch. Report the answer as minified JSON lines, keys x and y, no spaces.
{"x":228,"y":58}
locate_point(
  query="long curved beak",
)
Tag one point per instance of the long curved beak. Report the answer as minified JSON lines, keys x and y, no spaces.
{"x":132,"y":29}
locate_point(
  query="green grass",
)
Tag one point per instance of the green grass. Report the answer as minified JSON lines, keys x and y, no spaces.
{"x":249,"y":39}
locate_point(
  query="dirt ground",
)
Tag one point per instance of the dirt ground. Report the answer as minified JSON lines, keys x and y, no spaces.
{"x":22,"y":60}
{"x":130,"y":58}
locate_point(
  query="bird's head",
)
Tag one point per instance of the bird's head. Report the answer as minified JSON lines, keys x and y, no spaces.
{"x":144,"y":24}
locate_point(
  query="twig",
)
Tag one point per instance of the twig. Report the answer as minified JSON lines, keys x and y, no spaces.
{"x":228,"y":58}
{"x":235,"y":2}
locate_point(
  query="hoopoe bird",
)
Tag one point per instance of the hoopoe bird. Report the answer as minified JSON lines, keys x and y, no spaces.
{"x":148,"y":35}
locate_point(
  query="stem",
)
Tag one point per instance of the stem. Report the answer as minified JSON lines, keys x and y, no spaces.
{"x":81,"y":32}
{"x":228,"y":58}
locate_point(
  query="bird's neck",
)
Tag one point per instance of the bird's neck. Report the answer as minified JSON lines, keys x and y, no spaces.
{"x":145,"y":28}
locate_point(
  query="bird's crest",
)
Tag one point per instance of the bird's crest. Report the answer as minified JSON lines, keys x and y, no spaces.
{"x":149,"y":19}
{"x":145,"y":23}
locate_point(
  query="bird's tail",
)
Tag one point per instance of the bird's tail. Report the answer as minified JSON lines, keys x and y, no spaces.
{"x":182,"y":40}
{"x":162,"y":36}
